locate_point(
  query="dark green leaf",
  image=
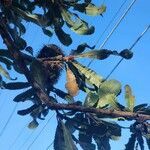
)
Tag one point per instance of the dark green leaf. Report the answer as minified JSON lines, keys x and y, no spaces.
{"x":102,"y":143}
{"x":140,"y":141}
{"x":131,"y":143}
{"x":139,"y":107}
{"x":63,"y":139}
{"x":127,"y":54}
{"x":7,"y":62}
{"x":47,"y":32}
{"x":29,"y":49}
{"x":16,"y":85}
{"x":148,"y":142}
{"x":24,"y":96}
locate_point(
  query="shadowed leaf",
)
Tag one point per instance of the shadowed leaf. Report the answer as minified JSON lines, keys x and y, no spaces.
{"x":131,"y":143}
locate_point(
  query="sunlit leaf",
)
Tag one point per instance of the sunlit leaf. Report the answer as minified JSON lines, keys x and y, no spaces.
{"x":130,"y":99}
{"x":110,"y":87}
{"x":91,"y":99}
{"x":5,"y":73}
{"x":63,"y":139}
{"x":91,"y":76}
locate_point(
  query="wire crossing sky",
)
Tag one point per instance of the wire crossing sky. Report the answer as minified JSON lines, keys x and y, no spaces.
{"x":15,"y":136}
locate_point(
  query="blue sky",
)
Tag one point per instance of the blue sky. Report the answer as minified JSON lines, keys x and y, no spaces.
{"x":135,"y":72}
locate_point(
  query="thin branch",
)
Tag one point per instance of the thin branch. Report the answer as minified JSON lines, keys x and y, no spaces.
{"x":43,"y":97}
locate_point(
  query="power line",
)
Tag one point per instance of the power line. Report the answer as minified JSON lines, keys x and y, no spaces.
{"x":40,"y":132}
{"x":49,"y":146}
{"x":136,"y":41}
{"x":9,"y":118}
{"x":17,"y":137}
{"x":115,"y":27}
{"x":112,"y":20}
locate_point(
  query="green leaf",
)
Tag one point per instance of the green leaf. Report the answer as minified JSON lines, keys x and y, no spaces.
{"x":63,"y":37}
{"x":148,"y":142}
{"x":92,"y":10}
{"x":38,"y":19}
{"x":96,"y":54}
{"x":24,"y":96}
{"x":47,"y":32}
{"x":140,"y":107}
{"x":76,"y":24}
{"x":130,"y":99}
{"x":85,"y":141}
{"x":29,"y":49}
{"x":7,"y":62}
{"x":90,"y":75}
{"x":33,"y":124}
{"x":91,"y":99}
{"x":110,"y":87}
{"x":140,"y":141}
{"x":131,"y":143}
{"x":81,"y":48}
{"x":63,"y":139}
{"x":102,"y":143}
{"x":127,"y":54}
{"x":5,"y":73}
{"x":16,"y":85}
{"x":38,"y":73}
{"x":108,"y":100}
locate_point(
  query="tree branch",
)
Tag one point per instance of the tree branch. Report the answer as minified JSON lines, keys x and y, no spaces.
{"x":43,"y":97}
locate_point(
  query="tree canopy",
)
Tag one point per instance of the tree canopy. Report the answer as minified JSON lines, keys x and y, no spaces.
{"x":94,"y":118}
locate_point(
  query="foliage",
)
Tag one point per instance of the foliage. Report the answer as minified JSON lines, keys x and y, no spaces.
{"x":101,"y":94}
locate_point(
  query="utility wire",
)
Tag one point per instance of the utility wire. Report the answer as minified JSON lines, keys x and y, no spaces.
{"x":17,"y":137}
{"x":136,"y":41}
{"x":115,"y":27}
{"x":9,"y":119}
{"x":40,"y":132}
{"x":112,"y":20}
{"x":49,"y":146}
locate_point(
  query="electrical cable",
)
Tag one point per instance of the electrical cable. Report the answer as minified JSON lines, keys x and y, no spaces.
{"x":112,"y":20}
{"x":40,"y":132}
{"x":115,"y":27}
{"x":136,"y":41}
{"x":9,"y":119}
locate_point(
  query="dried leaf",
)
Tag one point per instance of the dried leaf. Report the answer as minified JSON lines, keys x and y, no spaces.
{"x":130,"y":99}
{"x":71,"y":84}
{"x":33,"y":124}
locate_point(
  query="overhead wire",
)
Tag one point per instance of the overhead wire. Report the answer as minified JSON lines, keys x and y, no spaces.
{"x":112,"y":20}
{"x":115,"y":27}
{"x":132,"y":46}
{"x":8,"y":120}
{"x":40,"y":132}
{"x":17,"y":137}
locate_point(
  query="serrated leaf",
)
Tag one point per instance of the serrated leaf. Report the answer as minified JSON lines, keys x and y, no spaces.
{"x":108,"y":100}
{"x":96,"y":54}
{"x":130,"y":99}
{"x":5,"y":73}
{"x":92,"y":10}
{"x":76,"y":24}
{"x":131,"y":143}
{"x":71,"y":84}
{"x":110,"y":87}
{"x":91,"y":99}
{"x":33,"y":124}
{"x":63,"y":139}
{"x":16,"y":85}
{"x":91,"y":76}
{"x":38,"y":19}
{"x":24,"y":96}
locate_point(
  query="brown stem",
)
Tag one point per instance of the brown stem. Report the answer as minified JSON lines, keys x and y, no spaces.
{"x":43,"y":97}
